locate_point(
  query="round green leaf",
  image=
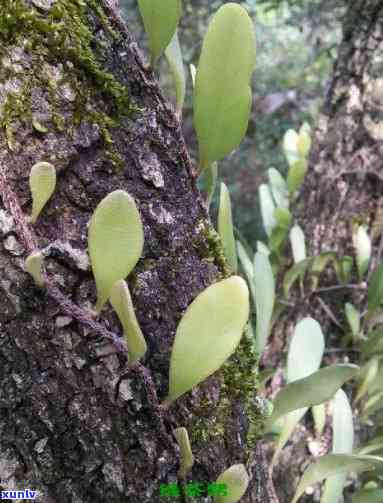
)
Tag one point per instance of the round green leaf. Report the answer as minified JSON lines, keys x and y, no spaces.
{"x":115,"y":240}
{"x":160,"y":20}
{"x":208,"y":333}
{"x":42,"y":182}
{"x":222,"y":94}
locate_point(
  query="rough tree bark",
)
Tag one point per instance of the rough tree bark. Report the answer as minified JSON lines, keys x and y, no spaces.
{"x":343,"y":188}
{"x":76,"y":423}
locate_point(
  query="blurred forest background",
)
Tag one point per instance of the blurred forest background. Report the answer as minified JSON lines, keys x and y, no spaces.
{"x":297,"y":43}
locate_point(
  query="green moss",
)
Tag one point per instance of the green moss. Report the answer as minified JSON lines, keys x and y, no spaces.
{"x":64,"y":34}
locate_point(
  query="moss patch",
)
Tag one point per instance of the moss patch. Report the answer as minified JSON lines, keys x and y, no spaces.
{"x":63,"y":35}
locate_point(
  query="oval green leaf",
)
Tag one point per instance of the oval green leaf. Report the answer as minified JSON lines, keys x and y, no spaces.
{"x":123,"y":305}
{"x":312,"y":390}
{"x":264,"y":285}
{"x":222,"y":93}
{"x":296,"y":175}
{"x":353,"y":318}
{"x":160,"y":21}
{"x":267,"y":208}
{"x":362,"y":245}
{"x":278,"y":188}
{"x":298,"y":245}
{"x":115,"y":240}
{"x":208,"y":333}
{"x":225,"y":228}
{"x":236,"y":481}
{"x":42,"y":182}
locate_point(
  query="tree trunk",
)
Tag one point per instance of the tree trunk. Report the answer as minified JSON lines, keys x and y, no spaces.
{"x":76,"y":423}
{"x":343,"y":189}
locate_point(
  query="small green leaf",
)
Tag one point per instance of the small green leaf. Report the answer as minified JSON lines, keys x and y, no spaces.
{"x":115,"y":240}
{"x":368,"y":375}
{"x":362,"y":245}
{"x":42,"y":182}
{"x":236,"y":481}
{"x":225,"y":228}
{"x":290,"y":146}
{"x":283,"y":217}
{"x":278,"y":188}
{"x":247,"y":267}
{"x":222,"y":94}
{"x":187,"y":459}
{"x":304,"y":143}
{"x":267,"y":208}
{"x":174,"y":57}
{"x":34,"y":266}
{"x":319,"y":264}
{"x":374,"y":343}
{"x":296,"y":175}
{"x":375,"y":289}
{"x":298,"y":245}
{"x":333,"y":464}
{"x":160,"y":21}
{"x":353,"y":319}
{"x":40,"y":128}
{"x":209,"y":178}
{"x":304,"y":358}
{"x":296,"y":271}
{"x":208,"y":333}
{"x":343,"y":268}
{"x":264,"y":285}
{"x":342,"y":443}
{"x":312,"y":390}
{"x":122,"y":303}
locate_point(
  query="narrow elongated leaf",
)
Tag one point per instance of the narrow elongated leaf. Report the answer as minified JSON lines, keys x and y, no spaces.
{"x":247,"y":266}
{"x":342,"y":443}
{"x":374,"y":343}
{"x":332,"y":464}
{"x":225,"y":228}
{"x":115,"y":240}
{"x":312,"y":390}
{"x":193,"y":73}
{"x":264,"y":284}
{"x":283,"y":217}
{"x":34,"y":266}
{"x":362,"y":245}
{"x":174,"y":57}
{"x":222,"y":94}
{"x":288,"y":425}
{"x":267,"y":208}
{"x":375,"y":445}
{"x":160,"y":21}
{"x":187,"y":458}
{"x":42,"y":182}
{"x":375,"y":289}
{"x":298,"y":245}
{"x":236,"y":481}
{"x":210,"y":176}
{"x":122,"y":303}
{"x":319,"y":264}
{"x":262,"y":248}
{"x":296,"y":175}
{"x":278,"y":188}
{"x":208,"y":333}
{"x":304,"y":143}
{"x":304,"y":358}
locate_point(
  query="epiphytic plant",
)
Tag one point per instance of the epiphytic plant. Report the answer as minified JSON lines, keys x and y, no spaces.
{"x":115,"y":240}
{"x":121,"y":301}
{"x":160,"y":21}
{"x":222,"y":93}
{"x":42,"y":182}
{"x":208,"y":333}
{"x":236,"y":481}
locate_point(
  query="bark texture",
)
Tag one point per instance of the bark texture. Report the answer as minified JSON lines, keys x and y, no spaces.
{"x":76,"y":423}
{"x":343,"y":189}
